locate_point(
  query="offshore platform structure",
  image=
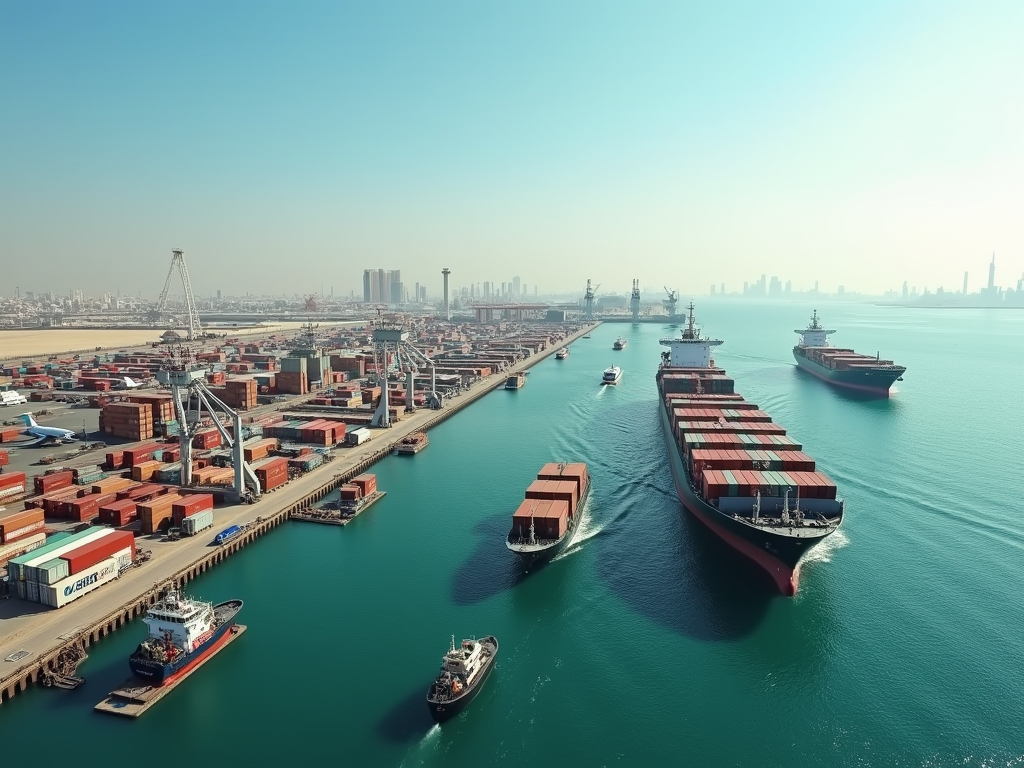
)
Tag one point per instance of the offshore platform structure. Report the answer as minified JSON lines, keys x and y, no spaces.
{"x":634,"y":301}
{"x":670,"y":303}
{"x":392,"y":352}
{"x":588,"y":300}
{"x":195,"y":328}
{"x":187,"y":381}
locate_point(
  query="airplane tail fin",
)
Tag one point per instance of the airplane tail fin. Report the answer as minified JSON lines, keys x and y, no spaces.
{"x":28,"y":420}
{"x":130,"y":383}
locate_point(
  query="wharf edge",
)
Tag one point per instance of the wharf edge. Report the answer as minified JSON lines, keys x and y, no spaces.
{"x":31,"y":674}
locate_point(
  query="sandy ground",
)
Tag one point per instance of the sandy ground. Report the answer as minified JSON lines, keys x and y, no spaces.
{"x":34,"y":343}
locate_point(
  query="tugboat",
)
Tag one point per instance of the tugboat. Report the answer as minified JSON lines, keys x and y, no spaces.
{"x":182,"y":632}
{"x":562,"y":353}
{"x":516,"y":380}
{"x":464,"y":670}
{"x":612,"y":374}
{"x":620,"y":343}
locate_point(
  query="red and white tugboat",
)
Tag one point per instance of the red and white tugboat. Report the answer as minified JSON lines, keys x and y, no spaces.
{"x":464,"y":670}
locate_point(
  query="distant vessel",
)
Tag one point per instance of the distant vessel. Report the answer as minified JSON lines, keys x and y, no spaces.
{"x":182,"y":632}
{"x":738,"y":473}
{"x":612,"y":374}
{"x":544,"y":523}
{"x":620,"y":343}
{"x":562,"y":353}
{"x":586,"y":336}
{"x":413,"y":443}
{"x":464,"y":670}
{"x":843,"y":367}
{"x":515,"y":380}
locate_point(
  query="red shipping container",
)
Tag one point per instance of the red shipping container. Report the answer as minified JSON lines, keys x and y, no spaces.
{"x":138,"y":455}
{"x":190,"y":505}
{"x":20,"y":524}
{"x":351,"y":492}
{"x":89,"y":554}
{"x":4,"y":458}
{"x":367,"y":482}
{"x":11,"y":479}
{"x":118,"y":513}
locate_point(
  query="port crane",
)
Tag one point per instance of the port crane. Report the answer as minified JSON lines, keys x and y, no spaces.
{"x":634,"y":301}
{"x":670,"y":303}
{"x":187,"y":380}
{"x":588,"y":300}
{"x":392,"y":351}
{"x":195,"y":328}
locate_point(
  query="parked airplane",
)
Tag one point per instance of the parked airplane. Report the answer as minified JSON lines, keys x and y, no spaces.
{"x":127,"y":383}
{"x":44,"y":434}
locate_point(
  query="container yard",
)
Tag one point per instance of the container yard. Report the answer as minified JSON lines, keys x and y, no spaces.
{"x":131,"y":484}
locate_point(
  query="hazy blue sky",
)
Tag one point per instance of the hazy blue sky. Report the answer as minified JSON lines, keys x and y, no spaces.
{"x":287,"y":146}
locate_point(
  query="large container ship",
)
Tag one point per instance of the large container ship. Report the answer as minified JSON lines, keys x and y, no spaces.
{"x":843,"y":367}
{"x":735,"y":470}
{"x":182,"y":632}
{"x":544,"y":523}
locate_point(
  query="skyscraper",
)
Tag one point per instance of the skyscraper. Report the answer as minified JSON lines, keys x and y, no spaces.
{"x":515,"y":285}
{"x":992,"y":275}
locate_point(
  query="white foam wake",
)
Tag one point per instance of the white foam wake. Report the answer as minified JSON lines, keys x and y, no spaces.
{"x":588,"y":529}
{"x":824,"y":551}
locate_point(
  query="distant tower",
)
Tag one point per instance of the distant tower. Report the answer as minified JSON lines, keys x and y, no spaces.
{"x":588,"y":301}
{"x":447,"y":311}
{"x":992,"y":275}
{"x":906,"y":290}
{"x":965,"y":283}
{"x":634,"y":300}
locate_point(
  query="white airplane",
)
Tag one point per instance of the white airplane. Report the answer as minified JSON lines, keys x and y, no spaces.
{"x":44,"y":434}
{"x":127,"y":383}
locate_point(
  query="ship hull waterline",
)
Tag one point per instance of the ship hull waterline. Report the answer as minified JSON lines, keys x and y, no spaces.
{"x":874,"y":383}
{"x":784,"y":572}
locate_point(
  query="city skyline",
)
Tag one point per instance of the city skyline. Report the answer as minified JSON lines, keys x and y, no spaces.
{"x":858,"y":145}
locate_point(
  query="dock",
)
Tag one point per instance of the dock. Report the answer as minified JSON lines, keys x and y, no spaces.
{"x":342,"y":516}
{"x":133,"y":700}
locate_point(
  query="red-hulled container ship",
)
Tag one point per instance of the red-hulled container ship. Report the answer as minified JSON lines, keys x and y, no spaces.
{"x":735,"y":470}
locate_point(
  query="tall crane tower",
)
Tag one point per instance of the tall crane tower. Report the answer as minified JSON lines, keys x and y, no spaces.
{"x":670,"y":303}
{"x":588,"y":300}
{"x":447,"y":307}
{"x":190,"y":393}
{"x":392,"y":351}
{"x":634,"y":301}
{"x":195,"y":328}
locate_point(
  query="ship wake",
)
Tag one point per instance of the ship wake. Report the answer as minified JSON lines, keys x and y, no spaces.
{"x":824,"y":551}
{"x":587,"y":530}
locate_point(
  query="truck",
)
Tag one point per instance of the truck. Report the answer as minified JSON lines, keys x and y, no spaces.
{"x":227,"y":534}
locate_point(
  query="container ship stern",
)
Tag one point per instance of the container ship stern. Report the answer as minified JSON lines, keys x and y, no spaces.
{"x":735,"y":470}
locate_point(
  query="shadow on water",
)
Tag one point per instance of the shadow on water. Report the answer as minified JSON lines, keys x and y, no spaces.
{"x":682,"y":576}
{"x":491,"y":568}
{"x":408,"y":720}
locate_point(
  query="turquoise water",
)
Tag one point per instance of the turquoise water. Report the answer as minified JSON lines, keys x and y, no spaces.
{"x":647,"y":642}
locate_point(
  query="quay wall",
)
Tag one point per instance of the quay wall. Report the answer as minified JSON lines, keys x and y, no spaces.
{"x":31,"y":674}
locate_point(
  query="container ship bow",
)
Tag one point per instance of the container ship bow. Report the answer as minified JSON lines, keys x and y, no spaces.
{"x":737,"y":472}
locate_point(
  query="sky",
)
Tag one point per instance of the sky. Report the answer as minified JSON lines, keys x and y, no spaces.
{"x":287,"y":146}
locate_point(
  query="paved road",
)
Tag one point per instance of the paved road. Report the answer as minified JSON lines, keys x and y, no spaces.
{"x":38,"y":629}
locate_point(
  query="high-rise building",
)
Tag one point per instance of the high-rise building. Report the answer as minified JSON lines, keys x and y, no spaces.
{"x":722,"y":289}
{"x":965,"y":284}
{"x":992,"y":275}
{"x":396,"y":291}
{"x":906,"y":290}
{"x":515,"y":285}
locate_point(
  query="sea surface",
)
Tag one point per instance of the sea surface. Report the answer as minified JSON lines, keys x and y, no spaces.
{"x":647,"y":642}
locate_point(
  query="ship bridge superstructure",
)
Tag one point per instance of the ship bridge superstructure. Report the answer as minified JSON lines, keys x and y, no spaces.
{"x":183,"y":621}
{"x":690,"y":349}
{"x":814,"y":335}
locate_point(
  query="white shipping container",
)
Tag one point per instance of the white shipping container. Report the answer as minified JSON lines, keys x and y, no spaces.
{"x":357,"y":436}
{"x":70,"y":543}
{"x":73,"y":587}
{"x":17,"y":548}
{"x":200,"y":521}
{"x":32,"y":591}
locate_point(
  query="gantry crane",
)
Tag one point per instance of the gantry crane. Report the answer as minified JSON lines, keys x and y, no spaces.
{"x":195,"y":328}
